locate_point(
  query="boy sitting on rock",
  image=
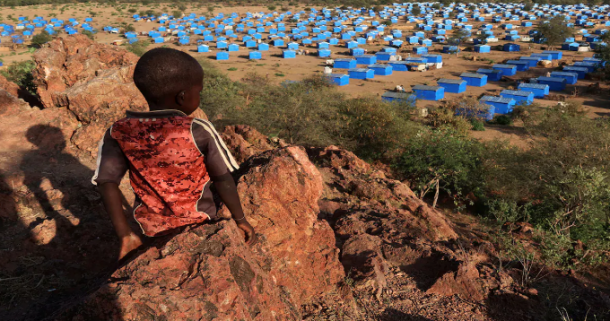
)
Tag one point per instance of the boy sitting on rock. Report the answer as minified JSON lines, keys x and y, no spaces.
{"x":172,"y":158}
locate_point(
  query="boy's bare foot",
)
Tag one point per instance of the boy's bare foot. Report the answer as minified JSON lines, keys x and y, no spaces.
{"x":129,"y":243}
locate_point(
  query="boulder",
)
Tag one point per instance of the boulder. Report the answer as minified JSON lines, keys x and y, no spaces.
{"x":94,"y":81}
{"x":9,"y":86}
{"x":10,"y":104}
{"x":208,"y":272}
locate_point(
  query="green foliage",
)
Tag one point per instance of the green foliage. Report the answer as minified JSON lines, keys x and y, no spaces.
{"x":41,"y":38}
{"x":177,"y":13}
{"x":442,"y":160}
{"x":563,"y":179}
{"x":21,"y":74}
{"x":554,"y":32}
{"x":271,"y":7}
{"x":477,"y":125}
{"x":416,"y":11}
{"x":310,"y":112}
{"x":138,"y":47}
{"x":502,"y":120}
{"x":89,"y":34}
{"x":458,"y":37}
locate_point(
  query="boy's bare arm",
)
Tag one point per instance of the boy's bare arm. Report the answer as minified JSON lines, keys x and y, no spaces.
{"x":225,"y":185}
{"x":112,"y":197}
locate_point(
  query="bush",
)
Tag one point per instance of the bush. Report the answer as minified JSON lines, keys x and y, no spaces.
{"x":563,"y":175}
{"x":89,"y":34}
{"x":502,"y":120}
{"x":21,"y":74}
{"x":271,"y":7}
{"x":41,"y":38}
{"x":138,"y":47}
{"x":177,"y":14}
{"x":442,"y":160}
{"x":477,"y":125}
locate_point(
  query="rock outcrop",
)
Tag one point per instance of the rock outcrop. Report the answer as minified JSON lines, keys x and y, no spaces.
{"x":94,"y":81}
{"x":208,"y":271}
{"x":9,"y":86}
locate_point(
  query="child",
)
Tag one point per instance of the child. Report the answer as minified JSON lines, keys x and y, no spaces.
{"x":171,"y":157}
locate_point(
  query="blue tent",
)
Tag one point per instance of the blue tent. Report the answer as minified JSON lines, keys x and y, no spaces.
{"x":288,"y":54}
{"x":555,"y":84}
{"x":391,"y":96}
{"x":361,"y":73}
{"x":570,"y":77}
{"x":492,"y":74}
{"x":366,"y":59}
{"x":539,"y":90}
{"x":222,"y":55}
{"x":455,"y":86}
{"x":429,"y":92}
{"x":498,"y":105}
{"x":339,"y":79}
{"x":581,"y":71}
{"x":511,"y":47}
{"x":474,"y":79}
{"x":381,"y":69}
{"x":482,"y":48}
{"x":255,"y":55}
{"x":520,"y":64}
{"x":324,"y":53}
{"x":520,"y":97}
{"x":345,"y":63}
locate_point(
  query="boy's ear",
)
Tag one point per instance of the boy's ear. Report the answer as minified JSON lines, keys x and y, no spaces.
{"x":180,"y":98}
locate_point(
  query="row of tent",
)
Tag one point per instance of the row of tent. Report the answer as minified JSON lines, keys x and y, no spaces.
{"x":503,"y":104}
{"x":25,"y":28}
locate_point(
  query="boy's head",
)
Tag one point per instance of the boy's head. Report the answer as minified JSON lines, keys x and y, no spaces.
{"x":169,"y":79}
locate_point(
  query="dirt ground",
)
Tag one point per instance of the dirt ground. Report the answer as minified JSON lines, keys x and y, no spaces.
{"x":273,"y":66}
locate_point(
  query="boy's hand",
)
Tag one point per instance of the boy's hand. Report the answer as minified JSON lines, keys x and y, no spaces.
{"x":248,"y":230}
{"x":129,"y":243}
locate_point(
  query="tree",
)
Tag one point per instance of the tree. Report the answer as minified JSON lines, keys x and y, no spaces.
{"x":553,"y":32}
{"x":458,"y":37}
{"x":41,"y":38}
{"x":416,"y":10}
{"x":89,"y":34}
{"x":483,"y":36}
{"x":177,"y":14}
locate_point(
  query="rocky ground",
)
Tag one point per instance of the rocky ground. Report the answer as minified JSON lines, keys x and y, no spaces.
{"x":339,"y":238}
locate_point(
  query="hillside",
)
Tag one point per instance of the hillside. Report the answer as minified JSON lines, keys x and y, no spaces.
{"x":340,"y":239}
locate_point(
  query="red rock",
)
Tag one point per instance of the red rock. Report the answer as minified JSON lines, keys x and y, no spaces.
{"x":10,"y":104}
{"x":245,"y":142}
{"x":209,"y":272}
{"x":464,"y":281}
{"x":94,"y":81}
{"x":10,"y":87}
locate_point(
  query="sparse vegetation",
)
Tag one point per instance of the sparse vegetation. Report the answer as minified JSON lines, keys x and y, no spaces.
{"x":138,"y":47}
{"x":41,"y":38}
{"x":553,"y":32}
{"x":21,"y":74}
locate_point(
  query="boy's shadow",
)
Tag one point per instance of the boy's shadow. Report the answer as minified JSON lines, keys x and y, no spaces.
{"x":59,"y":235}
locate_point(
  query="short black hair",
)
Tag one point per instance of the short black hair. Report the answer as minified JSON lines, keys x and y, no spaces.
{"x":163,"y":72}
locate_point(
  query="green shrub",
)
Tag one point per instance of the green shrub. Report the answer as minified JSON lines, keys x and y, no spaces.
{"x":138,"y":47}
{"x":477,"y":125}
{"x":41,"y":38}
{"x":442,"y":161}
{"x":502,"y":120}
{"x":21,"y":74}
